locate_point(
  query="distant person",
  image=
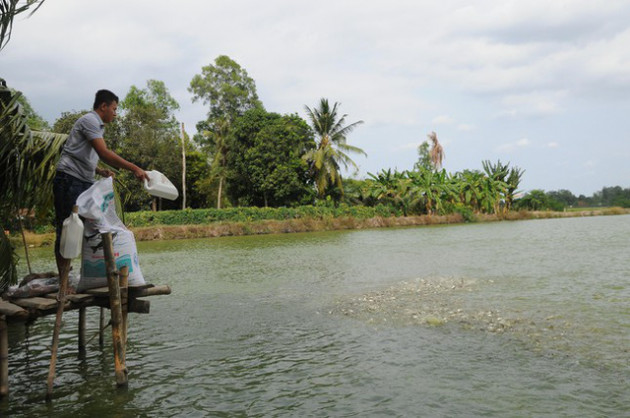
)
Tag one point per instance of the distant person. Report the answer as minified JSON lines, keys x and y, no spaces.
{"x":79,"y":158}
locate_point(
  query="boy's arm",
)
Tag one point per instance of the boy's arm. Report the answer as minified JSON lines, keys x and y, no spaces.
{"x":111,"y":158}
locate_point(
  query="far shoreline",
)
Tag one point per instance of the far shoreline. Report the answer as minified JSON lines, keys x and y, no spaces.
{"x":222,"y":229}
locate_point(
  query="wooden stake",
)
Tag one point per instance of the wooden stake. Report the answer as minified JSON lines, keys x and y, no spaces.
{"x":124,"y":299}
{"x":82,"y":332}
{"x":61,"y":299}
{"x":116,"y":309}
{"x":101,"y":328}
{"x":4,"y":357}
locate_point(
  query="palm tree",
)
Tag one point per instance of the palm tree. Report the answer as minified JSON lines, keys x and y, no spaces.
{"x":8,"y":10}
{"x":27,"y":167}
{"x":23,"y":156}
{"x":332,"y":149}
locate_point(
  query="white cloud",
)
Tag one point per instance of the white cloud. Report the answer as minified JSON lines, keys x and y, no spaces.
{"x":442,"y":120}
{"x":505,"y":68}
{"x":465,"y":127}
{"x":513,"y":146}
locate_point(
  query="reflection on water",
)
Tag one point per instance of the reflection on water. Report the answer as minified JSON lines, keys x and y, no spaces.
{"x":506,"y":319}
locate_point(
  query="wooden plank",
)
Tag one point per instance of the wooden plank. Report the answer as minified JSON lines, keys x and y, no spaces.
{"x":75,"y":298}
{"x":36,"y":303}
{"x":139,"y":306}
{"x":151,"y":291}
{"x":98,"y":291}
{"x":141,"y":286}
{"x":11,"y":310}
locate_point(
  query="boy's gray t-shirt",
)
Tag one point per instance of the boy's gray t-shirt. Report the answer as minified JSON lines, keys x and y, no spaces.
{"x":78,"y":157}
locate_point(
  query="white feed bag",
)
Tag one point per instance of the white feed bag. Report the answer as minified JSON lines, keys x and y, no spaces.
{"x":97,"y":206}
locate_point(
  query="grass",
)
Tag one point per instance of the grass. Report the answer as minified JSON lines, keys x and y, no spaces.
{"x":219,"y":229}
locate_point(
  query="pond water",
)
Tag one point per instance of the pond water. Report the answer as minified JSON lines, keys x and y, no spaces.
{"x":501,"y":319}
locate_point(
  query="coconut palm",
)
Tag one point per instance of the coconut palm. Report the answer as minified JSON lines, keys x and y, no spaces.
{"x":332,"y":149}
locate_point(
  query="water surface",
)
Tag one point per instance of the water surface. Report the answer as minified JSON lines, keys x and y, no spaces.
{"x":502,"y":319}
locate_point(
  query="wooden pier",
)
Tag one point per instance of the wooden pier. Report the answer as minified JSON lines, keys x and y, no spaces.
{"x":118,"y":297}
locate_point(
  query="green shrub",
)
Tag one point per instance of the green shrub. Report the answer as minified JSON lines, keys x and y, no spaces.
{"x":253,"y":214}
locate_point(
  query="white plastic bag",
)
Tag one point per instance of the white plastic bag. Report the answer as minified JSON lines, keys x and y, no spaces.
{"x":97,"y":206}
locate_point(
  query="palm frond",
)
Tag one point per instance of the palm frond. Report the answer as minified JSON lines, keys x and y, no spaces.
{"x":9,"y":9}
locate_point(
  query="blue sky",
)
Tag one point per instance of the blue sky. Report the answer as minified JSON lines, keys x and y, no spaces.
{"x":544,"y":85}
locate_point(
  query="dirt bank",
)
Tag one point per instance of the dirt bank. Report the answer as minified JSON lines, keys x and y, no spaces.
{"x":167,"y":232}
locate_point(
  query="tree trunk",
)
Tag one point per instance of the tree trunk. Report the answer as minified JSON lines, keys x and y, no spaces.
{"x":219,"y":193}
{"x":183,"y":167}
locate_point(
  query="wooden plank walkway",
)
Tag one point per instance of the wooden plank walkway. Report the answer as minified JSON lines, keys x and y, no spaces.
{"x":118,"y":297}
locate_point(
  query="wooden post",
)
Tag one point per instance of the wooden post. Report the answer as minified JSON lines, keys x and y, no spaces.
{"x":61,"y":300}
{"x":82,"y":332}
{"x":124,"y":301}
{"x":4,"y":357}
{"x":116,"y":309}
{"x":101,"y":328}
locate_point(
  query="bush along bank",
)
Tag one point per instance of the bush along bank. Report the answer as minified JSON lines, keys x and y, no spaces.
{"x":205,"y":223}
{"x":254,"y":214}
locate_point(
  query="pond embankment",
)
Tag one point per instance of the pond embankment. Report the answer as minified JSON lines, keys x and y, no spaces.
{"x":221,"y":229}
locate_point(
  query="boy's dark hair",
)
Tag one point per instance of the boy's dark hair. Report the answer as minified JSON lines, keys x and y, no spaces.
{"x":104,"y":96}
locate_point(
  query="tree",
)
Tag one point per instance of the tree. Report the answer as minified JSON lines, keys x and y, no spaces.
{"x":226,"y":88}
{"x":26,"y":159}
{"x":229,"y":92}
{"x":27,"y":162}
{"x":564,"y":196}
{"x":424,"y":160}
{"x":147,"y":133}
{"x":66,"y":121}
{"x":265,"y":164}
{"x":33,"y":120}
{"x":332,"y":148}
{"x":534,"y":200}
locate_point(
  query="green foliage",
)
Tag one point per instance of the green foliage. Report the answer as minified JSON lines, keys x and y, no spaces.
{"x":565,"y":197}
{"x":535,"y":200}
{"x":429,"y":191}
{"x":252,"y":214}
{"x":27,"y":161}
{"x":9,"y":9}
{"x":147,"y":134}
{"x":226,"y":88}
{"x":229,"y":92}
{"x":65,"y":122}
{"x":424,"y":157}
{"x":332,"y":149}
{"x":34,"y":121}
{"x":264,"y":162}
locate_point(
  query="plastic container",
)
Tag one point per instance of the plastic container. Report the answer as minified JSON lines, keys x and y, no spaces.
{"x":159,"y":186}
{"x":71,"y":235}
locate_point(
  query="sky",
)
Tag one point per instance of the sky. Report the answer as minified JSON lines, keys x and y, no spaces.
{"x":541,"y":85}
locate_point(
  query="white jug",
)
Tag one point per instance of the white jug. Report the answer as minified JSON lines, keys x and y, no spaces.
{"x":71,"y":235}
{"x":159,"y":186}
